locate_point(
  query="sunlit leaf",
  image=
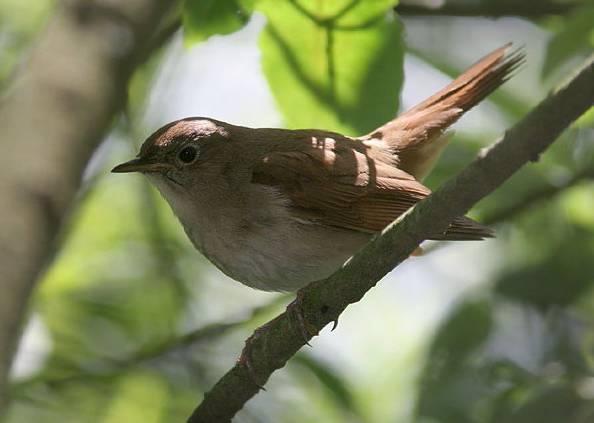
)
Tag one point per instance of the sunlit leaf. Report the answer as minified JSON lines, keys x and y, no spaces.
{"x":341,"y":74}
{"x":204,"y":18}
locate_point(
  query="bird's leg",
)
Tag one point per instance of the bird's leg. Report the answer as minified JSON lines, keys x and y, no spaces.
{"x":293,"y":311}
{"x":245,"y":359}
{"x":295,"y":308}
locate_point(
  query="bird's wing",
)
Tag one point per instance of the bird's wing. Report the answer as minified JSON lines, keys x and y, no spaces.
{"x":347,"y":187}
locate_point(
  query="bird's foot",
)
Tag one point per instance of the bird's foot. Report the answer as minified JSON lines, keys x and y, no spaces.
{"x":295,"y":310}
{"x":245,"y":359}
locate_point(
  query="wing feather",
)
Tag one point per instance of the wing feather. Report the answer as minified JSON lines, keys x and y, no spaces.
{"x":347,"y":188}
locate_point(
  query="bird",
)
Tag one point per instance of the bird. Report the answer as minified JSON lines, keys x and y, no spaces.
{"x":277,"y":209}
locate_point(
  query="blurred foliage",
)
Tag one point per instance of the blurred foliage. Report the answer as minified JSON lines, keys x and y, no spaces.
{"x":574,"y":37}
{"x":138,"y":326}
{"x":451,"y":378}
{"x":473,"y":374}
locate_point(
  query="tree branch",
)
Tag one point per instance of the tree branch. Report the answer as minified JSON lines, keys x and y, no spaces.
{"x":322,"y":302}
{"x":55,"y":114}
{"x":492,"y":9}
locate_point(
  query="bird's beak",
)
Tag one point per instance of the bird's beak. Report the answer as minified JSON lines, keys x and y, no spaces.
{"x":139,"y":165}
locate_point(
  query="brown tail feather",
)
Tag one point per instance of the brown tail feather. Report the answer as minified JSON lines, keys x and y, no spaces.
{"x":476,"y":83}
{"x":413,"y":135}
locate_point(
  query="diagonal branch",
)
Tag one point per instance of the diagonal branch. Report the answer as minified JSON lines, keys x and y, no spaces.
{"x":323,"y":302}
{"x":52,"y":118}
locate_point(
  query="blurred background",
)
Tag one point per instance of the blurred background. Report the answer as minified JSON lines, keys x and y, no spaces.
{"x":130,"y":324}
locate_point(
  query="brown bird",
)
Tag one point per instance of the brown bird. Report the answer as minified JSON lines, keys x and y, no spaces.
{"x":277,"y":209}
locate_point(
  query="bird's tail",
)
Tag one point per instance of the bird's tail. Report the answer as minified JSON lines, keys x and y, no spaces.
{"x":417,"y":136}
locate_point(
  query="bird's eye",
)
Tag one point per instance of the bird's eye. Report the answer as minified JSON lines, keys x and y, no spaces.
{"x":187,"y":154}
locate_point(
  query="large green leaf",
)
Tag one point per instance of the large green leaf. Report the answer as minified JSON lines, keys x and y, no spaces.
{"x":335,"y":65}
{"x":204,"y":18}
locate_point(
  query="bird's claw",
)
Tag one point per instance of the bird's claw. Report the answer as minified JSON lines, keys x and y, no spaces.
{"x":295,"y":309}
{"x":245,"y":359}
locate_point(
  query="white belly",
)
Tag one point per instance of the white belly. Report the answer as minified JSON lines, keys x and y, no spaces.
{"x":281,"y":255}
{"x":254,"y":238}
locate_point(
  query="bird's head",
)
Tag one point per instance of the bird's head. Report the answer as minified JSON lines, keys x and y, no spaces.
{"x":180,"y":153}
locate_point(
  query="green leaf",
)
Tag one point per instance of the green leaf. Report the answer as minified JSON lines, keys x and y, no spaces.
{"x":335,"y":65}
{"x":204,"y":18}
{"x":575,"y":37}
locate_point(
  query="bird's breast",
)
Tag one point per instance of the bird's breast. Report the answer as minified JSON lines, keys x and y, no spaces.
{"x":261,"y":243}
